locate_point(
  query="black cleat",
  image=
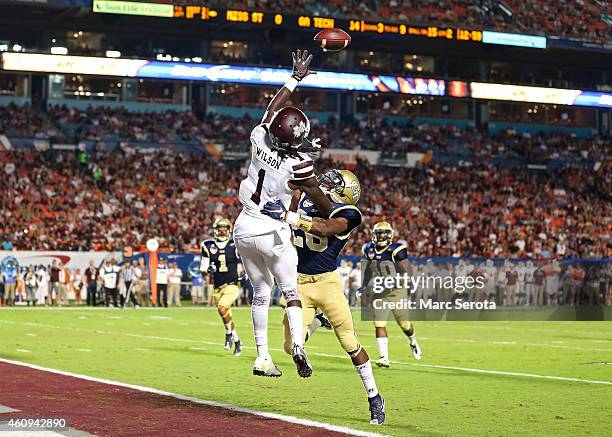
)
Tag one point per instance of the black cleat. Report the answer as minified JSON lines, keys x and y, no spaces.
{"x":377,"y":410}
{"x":237,"y":348}
{"x":324,"y":322}
{"x":228,"y":342}
{"x":300,"y":359}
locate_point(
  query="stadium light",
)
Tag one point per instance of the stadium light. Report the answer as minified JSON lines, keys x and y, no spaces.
{"x":113,"y":53}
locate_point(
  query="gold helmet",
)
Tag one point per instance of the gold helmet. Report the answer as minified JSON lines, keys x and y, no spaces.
{"x":342,"y":186}
{"x":382,"y":234}
{"x":222,"y":229}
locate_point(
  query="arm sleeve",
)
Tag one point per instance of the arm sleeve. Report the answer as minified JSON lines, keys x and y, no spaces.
{"x":302,"y":170}
{"x":204,"y":260}
{"x":257,"y":135}
{"x":351,"y":214}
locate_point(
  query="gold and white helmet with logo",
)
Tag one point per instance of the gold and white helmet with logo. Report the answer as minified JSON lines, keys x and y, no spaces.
{"x":222,"y":229}
{"x":382,"y":234}
{"x":342,"y":186}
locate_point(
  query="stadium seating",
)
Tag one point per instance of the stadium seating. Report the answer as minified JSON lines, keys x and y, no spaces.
{"x":112,"y":126}
{"x":52,"y":200}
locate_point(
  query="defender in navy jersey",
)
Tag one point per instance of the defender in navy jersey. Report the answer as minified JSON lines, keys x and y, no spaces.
{"x":391,"y":258}
{"x":319,"y":240}
{"x":221,"y":260}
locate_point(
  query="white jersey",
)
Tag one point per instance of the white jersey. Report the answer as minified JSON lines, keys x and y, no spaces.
{"x":110,"y":276}
{"x":267,"y":180}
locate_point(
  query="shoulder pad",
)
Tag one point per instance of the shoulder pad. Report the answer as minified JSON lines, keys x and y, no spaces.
{"x":396,"y":249}
{"x":205,"y":247}
{"x":350,"y":210}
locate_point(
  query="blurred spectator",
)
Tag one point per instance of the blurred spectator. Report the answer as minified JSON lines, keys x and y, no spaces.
{"x":9,"y":282}
{"x":110,"y":276}
{"x":174,"y":285}
{"x":197,"y":290}
{"x":54,"y":282}
{"x":91,"y":276}
{"x":161,"y":279}
{"x":31,"y":283}
{"x":141,"y":287}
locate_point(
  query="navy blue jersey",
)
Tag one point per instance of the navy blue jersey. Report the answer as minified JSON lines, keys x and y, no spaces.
{"x":225,"y":258}
{"x":318,"y":255}
{"x":394,"y":252}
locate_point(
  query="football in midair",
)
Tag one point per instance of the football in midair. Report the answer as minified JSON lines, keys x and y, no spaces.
{"x":332,"y":40}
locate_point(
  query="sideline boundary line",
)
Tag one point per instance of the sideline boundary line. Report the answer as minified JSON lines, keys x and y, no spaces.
{"x":276,"y":416}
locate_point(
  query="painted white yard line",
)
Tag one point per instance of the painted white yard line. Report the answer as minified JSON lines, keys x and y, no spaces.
{"x":490,"y":326}
{"x":282,"y":417}
{"x":553,"y":344}
{"x":492,"y":372}
{"x":25,"y":351}
{"x":434,"y":366}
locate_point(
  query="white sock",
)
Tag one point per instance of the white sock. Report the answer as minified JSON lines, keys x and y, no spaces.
{"x":228,"y":328}
{"x":383,"y":346}
{"x":296,"y":324}
{"x":412,"y":339}
{"x":259,"y":315}
{"x":367,"y":378}
{"x":234,"y":335}
{"x":316,"y":324}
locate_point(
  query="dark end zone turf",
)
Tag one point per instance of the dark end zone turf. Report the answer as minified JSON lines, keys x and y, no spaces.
{"x":109,"y":410}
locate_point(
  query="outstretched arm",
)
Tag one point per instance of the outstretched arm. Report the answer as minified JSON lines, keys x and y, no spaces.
{"x":301,"y":62}
{"x":327,"y":227}
{"x":310,"y":186}
{"x":295,"y":200}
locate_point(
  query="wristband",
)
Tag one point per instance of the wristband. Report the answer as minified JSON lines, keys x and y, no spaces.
{"x":291,"y":84}
{"x":302,"y":222}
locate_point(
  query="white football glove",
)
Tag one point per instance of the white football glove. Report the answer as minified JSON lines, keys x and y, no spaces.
{"x":315,"y":143}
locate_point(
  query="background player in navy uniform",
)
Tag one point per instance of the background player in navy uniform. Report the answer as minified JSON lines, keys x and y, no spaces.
{"x":386,"y":256}
{"x":220,"y":259}
{"x":319,"y":239}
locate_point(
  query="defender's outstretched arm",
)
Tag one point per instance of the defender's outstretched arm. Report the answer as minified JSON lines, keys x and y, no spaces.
{"x":328,"y":227}
{"x":310,"y":186}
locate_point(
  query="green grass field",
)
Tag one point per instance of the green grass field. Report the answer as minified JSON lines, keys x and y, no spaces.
{"x":180,"y":350}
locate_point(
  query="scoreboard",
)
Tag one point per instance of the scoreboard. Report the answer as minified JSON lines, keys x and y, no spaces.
{"x":203,"y":13}
{"x":310,"y":22}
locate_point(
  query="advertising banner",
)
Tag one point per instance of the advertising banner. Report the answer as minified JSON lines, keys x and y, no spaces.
{"x":218,"y":73}
{"x":71,"y":260}
{"x":553,"y":96}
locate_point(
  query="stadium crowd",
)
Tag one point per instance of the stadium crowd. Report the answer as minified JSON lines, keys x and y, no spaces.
{"x":106,"y":124}
{"x":581,"y":19}
{"x":21,"y":121}
{"x":111,"y":126}
{"x":106,"y":200}
{"x":546,"y":282}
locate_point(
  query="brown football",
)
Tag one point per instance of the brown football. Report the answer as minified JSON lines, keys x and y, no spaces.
{"x":332,"y":40}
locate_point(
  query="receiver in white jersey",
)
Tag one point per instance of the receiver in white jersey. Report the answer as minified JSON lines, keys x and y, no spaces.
{"x":267,"y":180}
